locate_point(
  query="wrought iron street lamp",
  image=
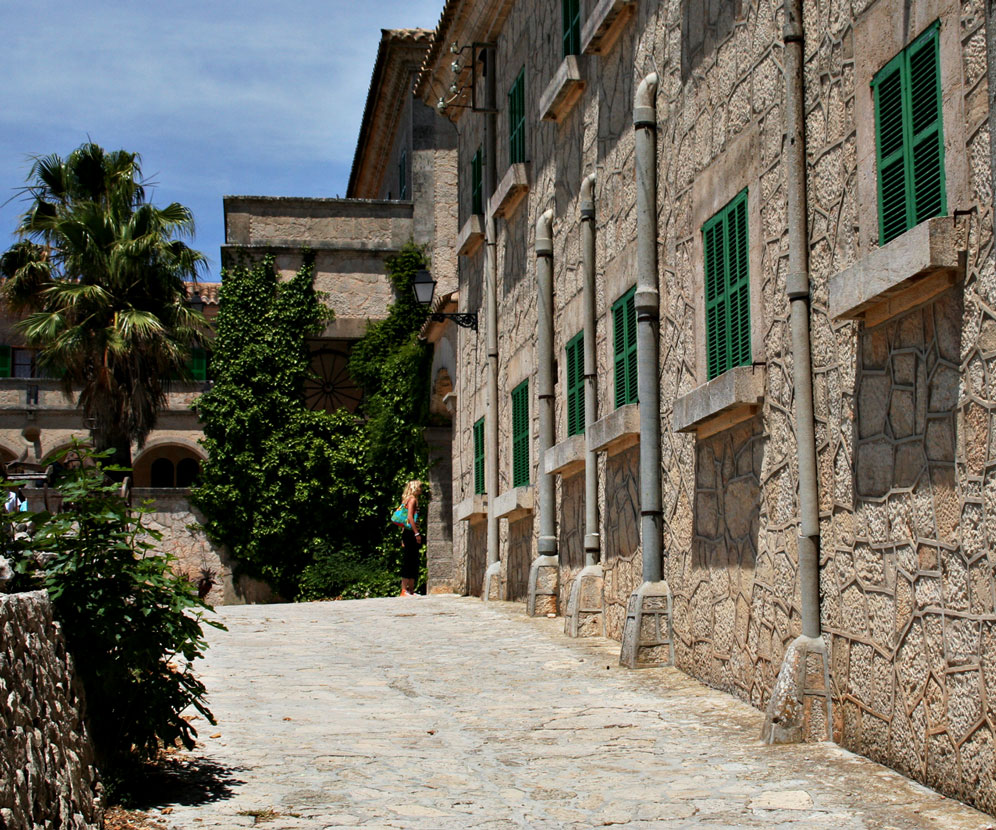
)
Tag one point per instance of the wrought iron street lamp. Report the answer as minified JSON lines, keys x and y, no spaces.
{"x":425,"y":286}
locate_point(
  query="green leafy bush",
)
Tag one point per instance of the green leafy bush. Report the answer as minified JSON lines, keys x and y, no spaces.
{"x":132,"y":625}
{"x":302,"y":498}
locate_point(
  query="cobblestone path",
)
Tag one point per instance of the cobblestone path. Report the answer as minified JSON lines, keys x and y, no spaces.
{"x":446,"y":712}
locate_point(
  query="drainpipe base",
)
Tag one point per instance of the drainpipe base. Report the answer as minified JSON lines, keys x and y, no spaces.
{"x":492,"y":582}
{"x":585,"y":617}
{"x":646,"y":639}
{"x":544,"y":586}
{"x":800,"y":708}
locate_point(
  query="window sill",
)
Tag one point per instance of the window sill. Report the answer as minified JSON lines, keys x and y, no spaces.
{"x":734,"y":396}
{"x":617,"y":430}
{"x":566,"y":458}
{"x":911,"y":269}
{"x":563,"y":91}
{"x":473,"y":509}
{"x":514,"y":503}
{"x":603,"y":27}
{"x":471,"y":235}
{"x":510,"y":191}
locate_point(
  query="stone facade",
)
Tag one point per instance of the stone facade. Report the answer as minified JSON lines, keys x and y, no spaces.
{"x":903,"y":395}
{"x":47,"y":775}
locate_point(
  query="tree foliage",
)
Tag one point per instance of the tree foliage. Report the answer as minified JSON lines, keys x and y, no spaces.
{"x":100,"y":274}
{"x":133,"y":626}
{"x":302,"y":498}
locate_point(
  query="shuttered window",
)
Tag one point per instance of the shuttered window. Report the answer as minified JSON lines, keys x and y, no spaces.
{"x":624,"y":347}
{"x":727,"y":284}
{"x":575,"y":385}
{"x":403,"y":175}
{"x":520,"y":434}
{"x":197,"y":365}
{"x":571,"y":14}
{"x":477,"y":182}
{"x":5,"y":362}
{"x":479,"y":457}
{"x":909,"y":144}
{"x":517,"y":119}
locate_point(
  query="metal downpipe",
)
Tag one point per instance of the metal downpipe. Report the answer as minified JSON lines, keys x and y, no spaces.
{"x":797,"y":287}
{"x":491,"y":327}
{"x":592,"y":543}
{"x":547,"y":544}
{"x":647,"y":302}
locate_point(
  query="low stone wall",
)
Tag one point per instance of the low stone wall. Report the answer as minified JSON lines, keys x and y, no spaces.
{"x":47,"y":776}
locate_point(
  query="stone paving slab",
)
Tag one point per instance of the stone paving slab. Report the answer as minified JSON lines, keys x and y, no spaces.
{"x":445,"y":712}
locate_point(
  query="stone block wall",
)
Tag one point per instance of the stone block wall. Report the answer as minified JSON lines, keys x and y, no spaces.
{"x":905,"y":410}
{"x":47,"y":776}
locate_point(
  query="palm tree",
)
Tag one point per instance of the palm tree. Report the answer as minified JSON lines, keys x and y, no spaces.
{"x":100,"y":275}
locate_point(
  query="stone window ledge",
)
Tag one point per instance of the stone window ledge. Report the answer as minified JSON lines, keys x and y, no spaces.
{"x":514,"y":503}
{"x":908,"y":271}
{"x":513,"y":186}
{"x":617,"y":430}
{"x":472,"y":509}
{"x":471,"y":235}
{"x":566,"y":458}
{"x":563,"y":91}
{"x":734,"y":396}
{"x":604,"y":25}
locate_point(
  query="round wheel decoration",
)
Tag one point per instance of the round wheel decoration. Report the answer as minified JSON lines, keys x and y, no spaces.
{"x":330,"y":387}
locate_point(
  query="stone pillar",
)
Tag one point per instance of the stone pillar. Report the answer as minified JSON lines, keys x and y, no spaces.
{"x":438,"y":529}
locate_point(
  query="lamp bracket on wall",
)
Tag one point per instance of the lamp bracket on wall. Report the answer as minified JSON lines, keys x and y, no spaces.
{"x":478,"y":53}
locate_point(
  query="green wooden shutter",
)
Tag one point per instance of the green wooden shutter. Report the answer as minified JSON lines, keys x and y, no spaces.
{"x":403,"y":175}
{"x":727,"y":288}
{"x":631,"y":362}
{"x":517,"y":119}
{"x":926,"y":140}
{"x":479,"y":457}
{"x":5,"y":361}
{"x":197,"y":365}
{"x":624,"y":348}
{"x":571,"y":16}
{"x":575,"y":385}
{"x":477,"y":182}
{"x":520,"y":434}
{"x":909,"y":145}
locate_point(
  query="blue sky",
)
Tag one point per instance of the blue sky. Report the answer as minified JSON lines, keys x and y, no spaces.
{"x":220,"y":97}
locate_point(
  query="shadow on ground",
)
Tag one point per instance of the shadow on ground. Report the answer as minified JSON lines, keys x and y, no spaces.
{"x":177,"y":779}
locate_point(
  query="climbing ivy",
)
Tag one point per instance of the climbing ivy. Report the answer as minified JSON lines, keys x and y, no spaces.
{"x":302,"y":498}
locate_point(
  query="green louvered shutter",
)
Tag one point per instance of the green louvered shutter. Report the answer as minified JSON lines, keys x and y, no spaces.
{"x":5,"y":361}
{"x":479,"y":457}
{"x":197,"y":365}
{"x":517,"y":119}
{"x":909,"y":144}
{"x":727,"y":284}
{"x":624,"y":348}
{"x":575,"y":385}
{"x":520,"y":434}
{"x":631,"y":364}
{"x":571,"y":16}
{"x":477,"y":181}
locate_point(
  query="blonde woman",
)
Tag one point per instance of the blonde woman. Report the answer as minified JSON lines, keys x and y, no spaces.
{"x":411,"y":538}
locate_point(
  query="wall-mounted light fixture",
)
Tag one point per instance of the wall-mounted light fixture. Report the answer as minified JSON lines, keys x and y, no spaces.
{"x":478,"y":54}
{"x":425,"y":286}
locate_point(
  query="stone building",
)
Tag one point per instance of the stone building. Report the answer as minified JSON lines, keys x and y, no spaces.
{"x":784,"y":215}
{"x":402,"y":187}
{"x":37,"y":420}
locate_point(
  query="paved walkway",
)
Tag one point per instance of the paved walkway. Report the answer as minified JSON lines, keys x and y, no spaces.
{"x":446,"y":712}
